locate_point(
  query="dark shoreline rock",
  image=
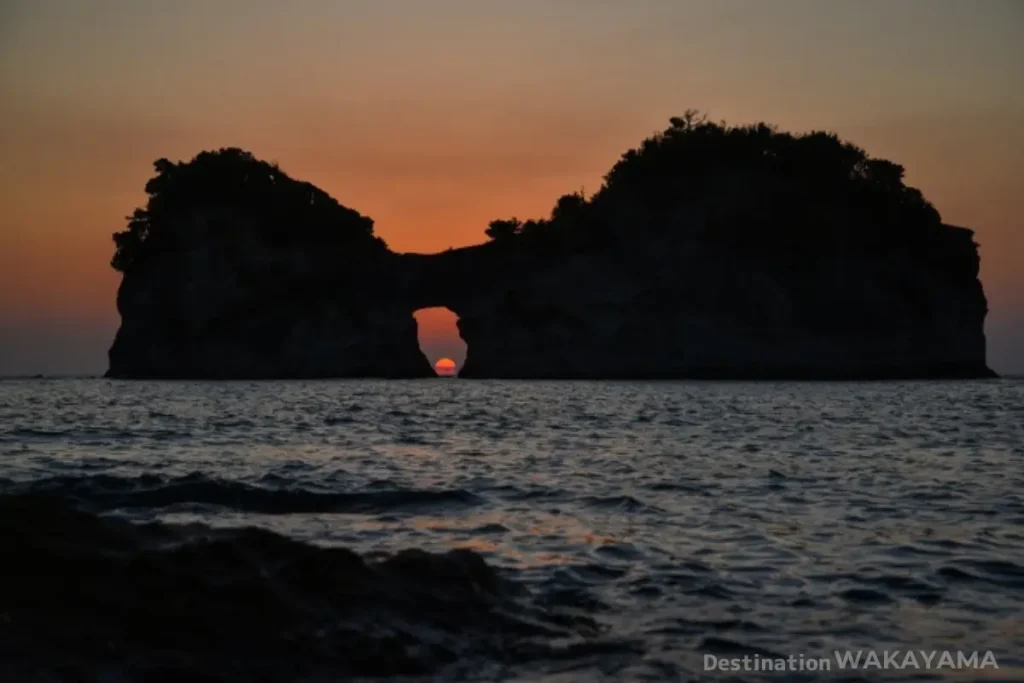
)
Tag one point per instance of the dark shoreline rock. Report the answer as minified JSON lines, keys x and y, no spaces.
{"x":710,"y":253}
{"x":95,"y":598}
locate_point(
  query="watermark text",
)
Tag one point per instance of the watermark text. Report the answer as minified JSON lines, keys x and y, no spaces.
{"x":857,"y":660}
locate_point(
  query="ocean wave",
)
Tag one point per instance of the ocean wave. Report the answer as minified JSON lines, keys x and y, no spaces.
{"x":195,"y":603}
{"x":108,"y":492}
{"x":621,"y":503}
{"x":102,"y":434}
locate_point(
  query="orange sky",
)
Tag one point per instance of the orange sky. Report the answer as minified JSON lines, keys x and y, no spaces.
{"x":435,"y":118}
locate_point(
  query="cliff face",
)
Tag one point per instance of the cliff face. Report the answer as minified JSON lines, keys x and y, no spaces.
{"x":258,"y":317}
{"x":710,"y":253}
{"x":664,"y":310}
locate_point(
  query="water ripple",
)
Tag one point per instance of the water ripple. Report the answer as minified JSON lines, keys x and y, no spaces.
{"x":649,"y":522}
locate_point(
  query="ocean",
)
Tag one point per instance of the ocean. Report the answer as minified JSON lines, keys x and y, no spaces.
{"x":510,"y":530}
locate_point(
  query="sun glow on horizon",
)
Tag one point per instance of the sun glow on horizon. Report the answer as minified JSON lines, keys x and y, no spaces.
{"x":437,"y":332}
{"x":445,"y":367}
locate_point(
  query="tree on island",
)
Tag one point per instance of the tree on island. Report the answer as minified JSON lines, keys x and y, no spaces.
{"x":259,"y":196}
{"x":503,"y":229}
{"x":775,"y":186}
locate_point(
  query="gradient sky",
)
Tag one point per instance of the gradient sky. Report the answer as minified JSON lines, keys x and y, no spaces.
{"x":436,"y":117}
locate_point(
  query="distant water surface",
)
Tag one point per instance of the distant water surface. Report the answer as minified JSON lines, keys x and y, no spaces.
{"x":676,"y":518}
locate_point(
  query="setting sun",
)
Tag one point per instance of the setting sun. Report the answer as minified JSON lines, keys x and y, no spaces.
{"x":445,"y":367}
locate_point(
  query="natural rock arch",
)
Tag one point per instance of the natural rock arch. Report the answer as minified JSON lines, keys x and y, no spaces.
{"x":711,"y":251}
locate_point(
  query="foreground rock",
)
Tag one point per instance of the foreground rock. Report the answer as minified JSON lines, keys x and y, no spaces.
{"x":710,"y":252}
{"x":87,"y":598}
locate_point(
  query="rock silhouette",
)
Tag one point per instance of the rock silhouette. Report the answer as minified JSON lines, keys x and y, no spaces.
{"x":160,"y":602}
{"x":711,"y":251}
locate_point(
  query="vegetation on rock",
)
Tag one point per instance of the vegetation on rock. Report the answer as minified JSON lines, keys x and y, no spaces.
{"x":750,"y":185}
{"x":249,"y":194}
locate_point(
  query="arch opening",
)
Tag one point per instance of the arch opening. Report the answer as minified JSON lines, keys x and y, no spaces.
{"x":438,"y":335}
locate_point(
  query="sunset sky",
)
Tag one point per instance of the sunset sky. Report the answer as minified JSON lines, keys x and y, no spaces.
{"x":436,"y":117}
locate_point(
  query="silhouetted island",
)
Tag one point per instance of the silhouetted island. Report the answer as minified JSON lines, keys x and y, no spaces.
{"x":711,"y":251}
